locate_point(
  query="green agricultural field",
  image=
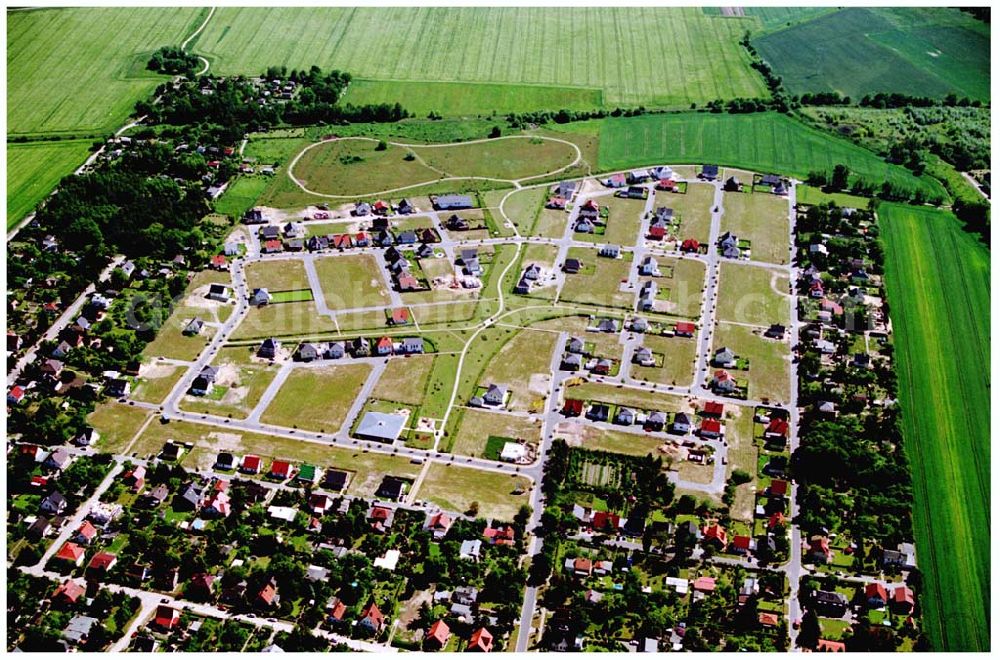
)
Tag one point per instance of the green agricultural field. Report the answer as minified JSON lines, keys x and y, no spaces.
{"x":81,"y":70}
{"x":317,"y":399}
{"x":599,"y":280}
{"x":352,"y":281}
{"x":763,"y":142}
{"x":278,"y":275}
{"x":770,"y":361}
{"x":540,"y":46}
{"x":476,"y":427}
{"x":938,"y":281}
{"x":749,"y":294}
{"x":678,"y":358}
{"x":858,"y":51}
{"x":470,"y":99}
{"x":762,"y":219}
{"x":497,"y":495}
{"x":34,"y":169}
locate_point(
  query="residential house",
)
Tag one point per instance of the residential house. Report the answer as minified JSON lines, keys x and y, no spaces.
{"x":268,"y":348}
{"x":610,"y":251}
{"x":599,"y":412}
{"x":625,"y":416}
{"x":452,"y":202}
{"x":724,"y":357}
{"x":876,"y":595}
{"x":481,"y":641}
{"x":470,"y":549}
{"x":722,"y":382}
{"x":372,"y":619}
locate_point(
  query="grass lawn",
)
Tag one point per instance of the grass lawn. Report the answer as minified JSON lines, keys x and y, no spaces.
{"x":279,"y":275}
{"x":470,"y":99}
{"x":455,"y":489}
{"x":285,"y":320}
{"x":477,"y":426}
{"x":505,"y":158}
{"x":937,"y":278}
{"x":117,"y":423}
{"x":763,"y":220}
{"x":156,"y":382}
{"x":694,"y":208}
{"x":541,"y":47}
{"x":550,"y":223}
{"x":81,"y":70}
{"x":317,"y":399}
{"x":34,"y":169}
{"x":405,"y":380}
{"x":809,"y":195}
{"x":598,"y":281}
{"x":358,"y":167}
{"x":918,"y":51}
{"x":762,"y":142}
{"x":523,"y":366}
{"x":678,"y":360}
{"x":770,"y":366}
{"x":747,"y":294}
{"x":241,"y":195}
{"x":352,"y":281}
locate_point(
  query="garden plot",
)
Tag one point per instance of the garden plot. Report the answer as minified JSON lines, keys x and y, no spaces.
{"x":522,"y":364}
{"x":694,"y":207}
{"x":679,"y":287}
{"x":675,"y":360}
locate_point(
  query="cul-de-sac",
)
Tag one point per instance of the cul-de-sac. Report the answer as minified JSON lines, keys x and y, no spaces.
{"x":306,"y":354}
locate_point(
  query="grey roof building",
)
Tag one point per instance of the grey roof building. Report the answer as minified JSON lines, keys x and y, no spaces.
{"x":382,"y":427}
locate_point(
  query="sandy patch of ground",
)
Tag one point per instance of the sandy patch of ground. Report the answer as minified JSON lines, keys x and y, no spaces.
{"x":572,"y":432}
{"x":153,"y":370}
{"x":426,"y":424}
{"x":231,"y":442}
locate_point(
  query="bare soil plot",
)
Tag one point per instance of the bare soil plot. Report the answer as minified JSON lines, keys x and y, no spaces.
{"x":352,"y":281}
{"x":477,"y":426}
{"x":456,"y":489}
{"x":749,"y":294}
{"x":317,"y":399}
{"x":761,"y":219}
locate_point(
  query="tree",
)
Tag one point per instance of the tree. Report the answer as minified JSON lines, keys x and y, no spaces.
{"x":473,"y":509}
{"x":495,"y":133}
{"x":839,"y":179}
{"x":381,"y":146}
{"x":810,"y":631}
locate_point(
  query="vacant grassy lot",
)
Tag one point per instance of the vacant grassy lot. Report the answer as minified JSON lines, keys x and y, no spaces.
{"x":523,"y":365}
{"x":34,"y":169}
{"x":938,"y":285}
{"x":405,"y":380}
{"x":694,"y":208}
{"x":470,"y":99}
{"x":541,"y":47}
{"x":858,"y":51}
{"x":285,"y":320}
{"x":476,"y":426}
{"x":749,"y":294}
{"x":598,"y":281}
{"x":280,"y":275}
{"x":624,"y":220}
{"x":352,"y":281}
{"x":82,"y":70}
{"x":770,"y":361}
{"x":681,"y":286}
{"x":456,"y":489}
{"x":504,"y":158}
{"x":238,"y":389}
{"x":620,"y":442}
{"x":156,"y":382}
{"x":763,"y":220}
{"x":171,"y":342}
{"x":117,"y":424}
{"x":763,"y":142}
{"x":524,"y":207}
{"x":241,"y":195}
{"x":317,"y":399}
{"x":678,"y":360}
{"x":357,"y":167}
{"x":809,"y":195}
